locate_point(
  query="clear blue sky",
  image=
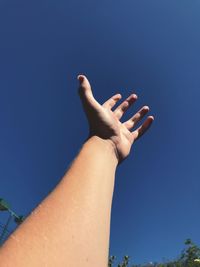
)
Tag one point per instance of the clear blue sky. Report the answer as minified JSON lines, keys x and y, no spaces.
{"x":151,"y":48}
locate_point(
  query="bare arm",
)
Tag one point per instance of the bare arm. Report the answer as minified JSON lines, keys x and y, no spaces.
{"x":71,"y":227}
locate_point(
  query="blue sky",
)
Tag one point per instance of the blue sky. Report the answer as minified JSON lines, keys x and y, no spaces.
{"x":147,"y":47}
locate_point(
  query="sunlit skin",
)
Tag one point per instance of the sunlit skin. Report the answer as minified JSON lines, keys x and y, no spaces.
{"x":71,"y":226}
{"x":104,"y":120}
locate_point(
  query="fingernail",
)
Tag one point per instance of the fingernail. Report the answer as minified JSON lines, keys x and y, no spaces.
{"x":146,"y":107}
{"x":134,"y":96}
{"x":80,"y":78}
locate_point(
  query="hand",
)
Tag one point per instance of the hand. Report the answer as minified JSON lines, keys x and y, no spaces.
{"x":105,"y":123}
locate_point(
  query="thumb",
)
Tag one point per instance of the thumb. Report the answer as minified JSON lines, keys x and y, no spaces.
{"x":85,"y":92}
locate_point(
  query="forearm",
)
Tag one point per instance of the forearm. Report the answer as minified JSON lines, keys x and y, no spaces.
{"x":71,"y":227}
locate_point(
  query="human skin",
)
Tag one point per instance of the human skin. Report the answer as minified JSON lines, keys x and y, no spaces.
{"x":71,"y":226}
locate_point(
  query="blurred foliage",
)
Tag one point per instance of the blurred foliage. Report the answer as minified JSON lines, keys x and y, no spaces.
{"x":189,"y":257}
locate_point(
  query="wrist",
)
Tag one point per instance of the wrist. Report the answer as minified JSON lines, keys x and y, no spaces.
{"x":107,"y":145}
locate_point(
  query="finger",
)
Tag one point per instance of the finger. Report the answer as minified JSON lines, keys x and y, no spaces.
{"x":85,"y":92}
{"x":110,"y":103}
{"x":136,"y":118}
{"x":122,"y":108}
{"x":143,"y":128}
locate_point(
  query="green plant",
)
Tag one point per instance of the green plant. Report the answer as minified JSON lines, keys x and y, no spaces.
{"x":190,"y":257}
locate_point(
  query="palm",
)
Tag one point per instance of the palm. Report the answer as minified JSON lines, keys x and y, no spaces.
{"x":104,"y":120}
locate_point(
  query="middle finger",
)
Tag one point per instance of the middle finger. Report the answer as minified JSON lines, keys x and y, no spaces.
{"x":122,"y":108}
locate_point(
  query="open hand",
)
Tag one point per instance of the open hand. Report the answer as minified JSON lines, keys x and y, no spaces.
{"x":104,"y":121}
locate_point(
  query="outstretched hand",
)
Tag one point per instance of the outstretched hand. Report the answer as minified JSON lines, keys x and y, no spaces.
{"x":104,"y":120}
